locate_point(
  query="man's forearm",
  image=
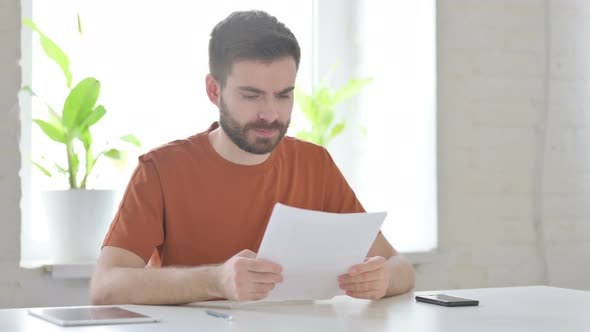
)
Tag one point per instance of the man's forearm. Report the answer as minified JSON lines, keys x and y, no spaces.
{"x":119,"y":285}
{"x":402,"y":275}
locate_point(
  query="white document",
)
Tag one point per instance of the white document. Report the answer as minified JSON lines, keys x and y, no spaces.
{"x":314,"y":248}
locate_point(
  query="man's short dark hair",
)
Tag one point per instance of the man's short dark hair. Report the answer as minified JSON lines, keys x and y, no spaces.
{"x":249,"y":35}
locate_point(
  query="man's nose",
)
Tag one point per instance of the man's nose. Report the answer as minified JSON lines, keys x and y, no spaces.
{"x":269,"y":111}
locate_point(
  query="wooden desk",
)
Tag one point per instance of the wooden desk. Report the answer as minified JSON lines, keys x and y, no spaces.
{"x":535,"y":308}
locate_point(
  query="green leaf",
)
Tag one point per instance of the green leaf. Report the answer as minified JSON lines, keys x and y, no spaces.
{"x":118,"y":157}
{"x":337,"y":129}
{"x":351,"y":89}
{"x":80,"y":31}
{"x":86,"y":138}
{"x":51,"y":131}
{"x":120,"y":164}
{"x":54,"y":118}
{"x":131,"y":139}
{"x":60,"y":169}
{"x":42,"y":169}
{"x":115,"y":154}
{"x":320,"y":140}
{"x":57,"y":166}
{"x":28,"y":89}
{"x":80,"y":103}
{"x":324,"y":97}
{"x":306,"y":104}
{"x":326,"y":119}
{"x":93,"y":117}
{"x":302,"y":98}
{"x":52,"y":51}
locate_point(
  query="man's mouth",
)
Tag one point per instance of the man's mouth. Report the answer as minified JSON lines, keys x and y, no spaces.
{"x":265,"y":132}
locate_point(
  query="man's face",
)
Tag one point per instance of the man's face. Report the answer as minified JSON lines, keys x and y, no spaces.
{"x":256,"y":103}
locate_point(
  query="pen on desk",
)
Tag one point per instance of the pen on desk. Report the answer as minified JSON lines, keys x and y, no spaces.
{"x":218,"y":314}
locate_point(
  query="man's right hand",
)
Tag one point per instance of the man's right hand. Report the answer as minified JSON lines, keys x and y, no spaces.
{"x":246,"y":278}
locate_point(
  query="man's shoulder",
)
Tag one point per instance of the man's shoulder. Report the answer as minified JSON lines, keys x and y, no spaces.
{"x":174,"y":151}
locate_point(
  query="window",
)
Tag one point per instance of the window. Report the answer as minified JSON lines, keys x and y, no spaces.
{"x":393,"y":167}
{"x":398,"y":157}
{"x":151,"y":58}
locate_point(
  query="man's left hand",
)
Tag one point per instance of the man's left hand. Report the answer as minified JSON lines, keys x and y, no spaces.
{"x":368,"y":280}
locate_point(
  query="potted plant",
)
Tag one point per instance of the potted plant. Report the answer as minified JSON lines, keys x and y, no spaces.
{"x":77,"y":218}
{"x":320,"y":110}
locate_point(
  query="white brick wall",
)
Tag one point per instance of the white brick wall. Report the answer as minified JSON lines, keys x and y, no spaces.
{"x":514,"y":147}
{"x":493,"y":83}
{"x":9,"y":134}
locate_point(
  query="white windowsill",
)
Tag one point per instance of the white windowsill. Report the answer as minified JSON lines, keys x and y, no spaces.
{"x":74,"y":270}
{"x":70,"y":271}
{"x":83,"y":270}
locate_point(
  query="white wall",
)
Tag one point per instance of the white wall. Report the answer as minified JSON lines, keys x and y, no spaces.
{"x":514,"y":145}
{"x":513,"y":151}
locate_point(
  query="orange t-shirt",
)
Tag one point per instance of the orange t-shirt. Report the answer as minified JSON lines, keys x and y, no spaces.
{"x":188,"y":206}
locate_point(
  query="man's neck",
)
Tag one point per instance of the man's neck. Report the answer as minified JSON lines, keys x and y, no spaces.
{"x":224,"y":146}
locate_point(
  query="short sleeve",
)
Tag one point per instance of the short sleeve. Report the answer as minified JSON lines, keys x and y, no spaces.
{"x":138,"y":225}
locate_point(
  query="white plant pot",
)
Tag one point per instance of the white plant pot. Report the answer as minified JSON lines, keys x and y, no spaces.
{"x":77,"y":221}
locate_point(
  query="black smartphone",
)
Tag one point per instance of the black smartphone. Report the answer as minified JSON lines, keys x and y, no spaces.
{"x":446,"y":300}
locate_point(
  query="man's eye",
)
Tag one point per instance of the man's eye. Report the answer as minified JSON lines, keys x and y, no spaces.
{"x":284,"y":96}
{"x":250,"y":96}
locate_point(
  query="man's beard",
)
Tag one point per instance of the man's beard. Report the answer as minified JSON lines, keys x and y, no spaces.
{"x":239,"y":134}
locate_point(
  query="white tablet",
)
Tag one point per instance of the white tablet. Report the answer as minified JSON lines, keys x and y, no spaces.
{"x":97,"y":315}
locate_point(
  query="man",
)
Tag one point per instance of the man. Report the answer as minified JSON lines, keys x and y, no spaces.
{"x":198,"y":207}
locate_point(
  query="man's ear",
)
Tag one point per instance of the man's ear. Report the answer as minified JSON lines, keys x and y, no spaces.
{"x":213,"y":89}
